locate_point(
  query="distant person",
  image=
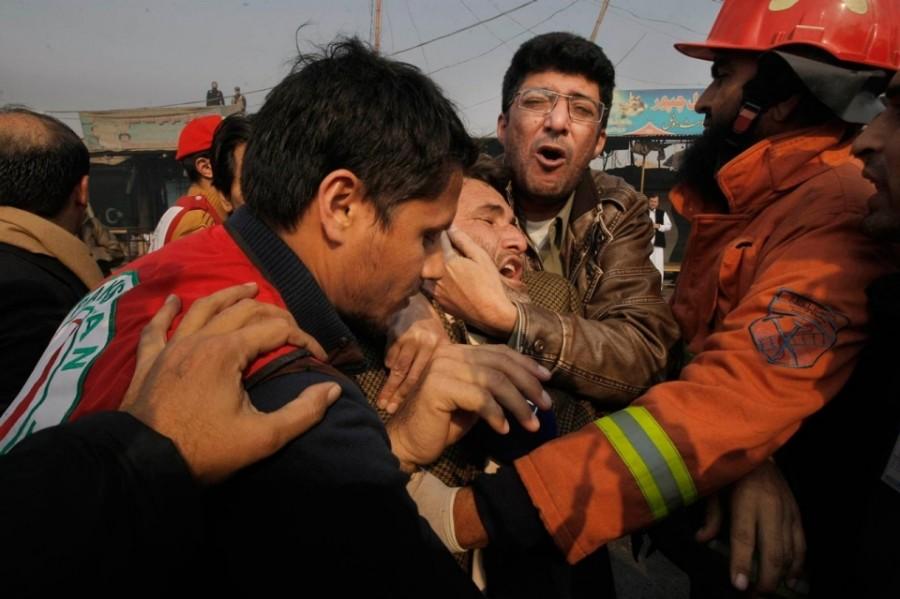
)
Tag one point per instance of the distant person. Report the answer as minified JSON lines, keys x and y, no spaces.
{"x":45,"y":269}
{"x":661,"y":224}
{"x":203,"y":206}
{"x":214,"y":96}
{"x":106,"y":249}
{"x":239,"y":99}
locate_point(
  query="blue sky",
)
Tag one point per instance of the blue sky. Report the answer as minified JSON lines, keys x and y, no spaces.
{"x":93,"y":55}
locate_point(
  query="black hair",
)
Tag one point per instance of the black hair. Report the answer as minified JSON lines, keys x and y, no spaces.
{"x":39,"y":165}
{"x":566,"y":53}
{"x":348,"y":107}
{"x":232,"y":132}
{"x":491,"y":171}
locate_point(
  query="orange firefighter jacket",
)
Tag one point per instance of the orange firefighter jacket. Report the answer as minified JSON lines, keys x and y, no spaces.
{"x":771,"y":301}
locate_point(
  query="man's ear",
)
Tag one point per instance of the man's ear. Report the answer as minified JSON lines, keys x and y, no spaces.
{"x":601,"y":143}
{"x":81,"y":194}
{"x":341,"y":204}
{"x":783,"y":111}
{"x":502,"y":124}
{"x":204,"y":167}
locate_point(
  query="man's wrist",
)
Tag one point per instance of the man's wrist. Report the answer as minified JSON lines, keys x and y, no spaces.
{"x":504,"y":321}
{"x":470,"y":531}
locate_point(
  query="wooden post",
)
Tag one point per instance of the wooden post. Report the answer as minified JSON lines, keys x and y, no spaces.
{"x":377,"y":28}
{"x":602,"y":14}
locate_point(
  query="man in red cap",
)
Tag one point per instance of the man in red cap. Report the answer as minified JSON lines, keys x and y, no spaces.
{"x":770,"y":298}
{"x":203,"y":206}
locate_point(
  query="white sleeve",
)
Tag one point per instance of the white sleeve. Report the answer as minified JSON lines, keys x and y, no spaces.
{"x":666,"y":224}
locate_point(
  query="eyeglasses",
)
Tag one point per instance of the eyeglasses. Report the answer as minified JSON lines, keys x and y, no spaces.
{"x":542,"y":101}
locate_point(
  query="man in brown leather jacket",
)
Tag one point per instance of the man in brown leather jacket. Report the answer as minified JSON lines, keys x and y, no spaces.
{"x":587,"y":226}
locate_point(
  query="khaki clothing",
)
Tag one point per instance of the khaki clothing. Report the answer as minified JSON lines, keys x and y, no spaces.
{"x":197,"y":220}
{"x":38,"y":235}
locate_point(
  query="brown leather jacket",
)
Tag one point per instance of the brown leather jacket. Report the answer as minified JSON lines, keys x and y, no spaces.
{"x":620,"y":343}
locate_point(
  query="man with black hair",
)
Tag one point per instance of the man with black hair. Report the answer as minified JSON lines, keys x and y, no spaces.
{"x":345,"y":210}
{"x":44,"y":267}
{"x":770,"y":298}
{"x":204,"y":205}
{"x":587,"y":226}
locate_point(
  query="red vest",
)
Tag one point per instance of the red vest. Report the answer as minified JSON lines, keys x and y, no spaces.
{"x":171,"y":218}
{"x":88,"y":364}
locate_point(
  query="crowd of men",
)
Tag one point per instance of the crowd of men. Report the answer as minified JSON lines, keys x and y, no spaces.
{"x":363,"y":353}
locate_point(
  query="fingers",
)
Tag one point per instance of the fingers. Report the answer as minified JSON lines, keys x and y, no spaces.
{"x":247,"y":343}
{"x":743,"y":543}
{"x":247,"y":311}
{"x":464,"y":244}
{"x":204,"y":309}
{"x":522,"y":371}
{"x":712,"y":523}
{"x":153,"y":336}
{"x":509,"y":379}
{"x":400,"y":359}
{"x":480,"y":400}
{"x":297,"y":416}
{"x":410,"y":381}
{"x":795,"y":569}
{"x":152,"y":342}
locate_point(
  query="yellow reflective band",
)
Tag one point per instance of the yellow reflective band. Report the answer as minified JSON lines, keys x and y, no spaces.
{"x":669,"y":452}
{"x":636,"y":466}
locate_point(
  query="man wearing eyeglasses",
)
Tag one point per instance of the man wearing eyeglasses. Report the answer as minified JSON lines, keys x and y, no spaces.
{"x":587,"y":226}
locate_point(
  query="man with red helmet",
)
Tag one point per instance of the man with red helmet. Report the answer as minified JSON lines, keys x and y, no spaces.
{"x":770,"y":297}
{"x":204,"y":206}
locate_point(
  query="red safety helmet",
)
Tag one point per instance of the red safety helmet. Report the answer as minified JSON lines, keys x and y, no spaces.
{"x":864,"y":32}
{"x":197,"y":135}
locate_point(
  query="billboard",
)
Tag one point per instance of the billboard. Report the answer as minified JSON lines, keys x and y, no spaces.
{"x":655,"y":113}
{"x":142,"y":129}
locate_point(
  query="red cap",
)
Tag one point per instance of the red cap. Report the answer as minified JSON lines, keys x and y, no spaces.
{"x":864,"y":32}
{"x":197,"y":135}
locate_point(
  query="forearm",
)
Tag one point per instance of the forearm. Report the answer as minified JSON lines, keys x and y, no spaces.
{"x":611,"y":360}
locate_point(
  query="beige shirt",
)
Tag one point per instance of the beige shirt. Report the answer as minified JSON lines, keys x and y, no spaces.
{"x":549,"y":237}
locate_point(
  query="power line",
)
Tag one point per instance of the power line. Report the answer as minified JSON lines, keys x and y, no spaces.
{"x":630,"y":50}
{"x":466,"y":28}
{"x":503,"y":42}
{"x":672,"y":83}
{"x":663,"y":21}
{"x":416,"y":29}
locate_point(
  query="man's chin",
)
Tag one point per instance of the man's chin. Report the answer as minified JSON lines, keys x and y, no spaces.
{"x":366,"y":325}
{"x":551,"y":186}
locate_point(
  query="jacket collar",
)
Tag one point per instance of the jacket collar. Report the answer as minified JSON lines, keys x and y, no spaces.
{"x":771,"y":166}
{"x":304,"y":298}
{"x":586,"y":197}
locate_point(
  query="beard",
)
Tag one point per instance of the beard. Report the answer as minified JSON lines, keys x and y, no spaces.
{"x":703,"y":159}
{"x":516,"y":295}
{"x":364,"y":326}
{"x":882,"y":226}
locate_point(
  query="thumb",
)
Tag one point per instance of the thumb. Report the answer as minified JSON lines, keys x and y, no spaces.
{"x":465,"y":245}
{"x":301,"y":414}
{"x":713,"y":521}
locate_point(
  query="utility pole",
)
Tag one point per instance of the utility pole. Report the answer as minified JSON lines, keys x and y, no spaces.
{"x":602,"y":14}
{"x":377,"y":25}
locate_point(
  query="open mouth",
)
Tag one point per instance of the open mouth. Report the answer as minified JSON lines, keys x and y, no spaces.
{"x":511,"y":268}
{"x":551,"y":156}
